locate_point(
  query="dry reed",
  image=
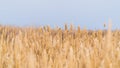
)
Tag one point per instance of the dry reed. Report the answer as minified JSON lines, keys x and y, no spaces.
{"x":58,"y":48}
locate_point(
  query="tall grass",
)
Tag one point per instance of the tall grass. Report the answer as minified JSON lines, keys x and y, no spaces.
{"x":44,"y":47}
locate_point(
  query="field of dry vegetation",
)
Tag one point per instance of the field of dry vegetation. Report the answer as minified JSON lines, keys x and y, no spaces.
{"x":44,"y":47}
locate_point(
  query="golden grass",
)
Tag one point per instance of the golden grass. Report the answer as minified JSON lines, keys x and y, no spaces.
{"x":44,"y":47}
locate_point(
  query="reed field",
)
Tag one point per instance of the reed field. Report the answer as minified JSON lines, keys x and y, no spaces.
{"x":45,"y":47}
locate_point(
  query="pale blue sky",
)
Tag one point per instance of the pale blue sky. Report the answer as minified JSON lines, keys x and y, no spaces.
{"x":89,"y":13}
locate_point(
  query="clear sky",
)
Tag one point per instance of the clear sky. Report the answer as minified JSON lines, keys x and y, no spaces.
{"x":86,"y":13}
